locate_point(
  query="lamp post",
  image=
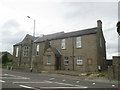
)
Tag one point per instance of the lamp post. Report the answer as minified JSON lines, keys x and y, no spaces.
{"x":31,"y":68}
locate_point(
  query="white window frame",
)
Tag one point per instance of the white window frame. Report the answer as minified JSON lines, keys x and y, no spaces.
{"x":17,"y":51}
{"x":78,"y":42}
{"x":37,"y":50}
{"x":50,"y":42}
{"x":79,"y":60}
{"x":48,"y":59}
{"x":25,"y":51}
{"x":66,"y":60}
{"x":63,"y":44}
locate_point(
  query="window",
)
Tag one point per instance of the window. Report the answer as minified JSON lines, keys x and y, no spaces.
{"x":66,"y":61}
{"x":25,"y":53}
{"x":49,"y":59}
{"x":79,"y":60}
{"x":50,"y":43}
{"x":37,"y":50}
{"x":100,"y":42}
{"x":78,"y":42}
{"x":63,"y":44}
{"x":17,"y":52}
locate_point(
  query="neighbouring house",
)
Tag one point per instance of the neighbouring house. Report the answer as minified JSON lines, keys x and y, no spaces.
{"x":82,"y":50}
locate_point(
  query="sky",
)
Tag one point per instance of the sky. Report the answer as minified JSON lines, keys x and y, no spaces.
{"x":53,"y":16}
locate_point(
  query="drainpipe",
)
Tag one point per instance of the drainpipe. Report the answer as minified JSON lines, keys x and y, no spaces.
{"x":20,"y":54}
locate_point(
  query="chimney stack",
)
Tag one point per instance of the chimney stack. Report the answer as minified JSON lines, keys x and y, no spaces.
{"x":99,"y":23}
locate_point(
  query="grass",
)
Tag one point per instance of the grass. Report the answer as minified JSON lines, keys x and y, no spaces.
{"x":7,"y":64}
{"x":40,"y":69}
{"x":102,"y":74}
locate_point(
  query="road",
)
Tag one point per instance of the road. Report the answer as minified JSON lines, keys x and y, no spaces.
{"x":42,"y":81}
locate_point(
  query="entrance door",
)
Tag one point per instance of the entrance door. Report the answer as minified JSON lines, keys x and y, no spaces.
{"x":58,"y":65}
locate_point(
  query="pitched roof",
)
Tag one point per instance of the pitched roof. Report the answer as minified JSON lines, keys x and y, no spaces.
{"x":62,"y":35}
{"x":30,"y":37}
{"x":78,"y":33}
{"x":48,"y":37}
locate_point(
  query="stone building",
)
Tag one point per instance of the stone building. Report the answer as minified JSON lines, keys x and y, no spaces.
{"x":82,"y":50}
{"x":23,"y":51}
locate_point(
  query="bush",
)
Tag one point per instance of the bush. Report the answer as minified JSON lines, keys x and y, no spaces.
{"x":5,"y":59}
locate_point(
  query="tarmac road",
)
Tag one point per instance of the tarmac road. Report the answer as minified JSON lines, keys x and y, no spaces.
{"x":42,"y":81}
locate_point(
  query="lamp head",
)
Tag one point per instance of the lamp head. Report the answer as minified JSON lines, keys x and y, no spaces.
{"x":28,"y":16}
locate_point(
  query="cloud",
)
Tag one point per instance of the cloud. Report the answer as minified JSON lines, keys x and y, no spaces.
{"x":57,"y":16}
{"x":11,"y":33}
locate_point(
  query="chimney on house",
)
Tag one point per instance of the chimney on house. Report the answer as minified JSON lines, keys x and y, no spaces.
{"x":99,"y":23}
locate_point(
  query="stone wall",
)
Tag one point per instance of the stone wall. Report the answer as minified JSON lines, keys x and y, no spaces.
{"x":114,"y":70}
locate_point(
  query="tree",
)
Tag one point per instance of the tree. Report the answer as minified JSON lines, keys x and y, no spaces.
{"x":5,"y":58}
{"x":118,"y":27}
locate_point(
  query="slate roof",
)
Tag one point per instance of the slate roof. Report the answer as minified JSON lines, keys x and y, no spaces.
{"x":48,"y":37}
{"x":62,"y":35}
{"x":78,"y":33}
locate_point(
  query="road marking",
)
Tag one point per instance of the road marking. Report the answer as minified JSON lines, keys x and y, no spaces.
{"x":32,"y":82}
{"x":113,"y":85}
{"x":25,"y":86}
{"x":63,"y":80}
{"x":8,"y":75}
{"x":64,"y":83}
{"x":77,"y":81}
{"x":61,"y":87}
{"x":51,"y":78}
{"x":2,"y":81}
{"x":14,"y":78}
{"x":68,"y":84}
{"x":93,"y":83}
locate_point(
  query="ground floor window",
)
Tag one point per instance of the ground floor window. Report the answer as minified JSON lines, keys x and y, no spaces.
{"x":66,"y":61}
{"x":48,"y":59}
{"x":79,"y":60}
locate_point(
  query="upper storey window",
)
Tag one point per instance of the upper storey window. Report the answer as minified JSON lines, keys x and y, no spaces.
{"x":25,"y":52}
{"x":63,"y":46}
{"x":37,"y":50}
{"x":78,"y":42}
{"x":17,"y":51}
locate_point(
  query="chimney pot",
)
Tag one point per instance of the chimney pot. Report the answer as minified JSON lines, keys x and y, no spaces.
{"x":99,"y":23}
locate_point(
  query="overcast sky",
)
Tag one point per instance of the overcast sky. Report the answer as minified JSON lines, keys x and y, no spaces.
{"x":54,"y":16}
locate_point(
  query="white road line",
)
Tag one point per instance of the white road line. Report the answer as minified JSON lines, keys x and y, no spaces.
{"x":113,"y":85}
{"x":93,"y":83}
{"x":61,"y":87}
{"x":31,"y":82}
{"x":51,"y":78}
{"x":9,"y":75}
{"x":69,"y":84}
{"x":64,"y":84}
{"x":2,"y":81}
{"x":63,"y":80}
{"x":14,"y":78}
{"x":25,"y":86}
{"x":77,"y":81}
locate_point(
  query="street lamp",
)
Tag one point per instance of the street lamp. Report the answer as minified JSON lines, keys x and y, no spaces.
{"x":32,"y":43}
{"x":34,"y":25}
